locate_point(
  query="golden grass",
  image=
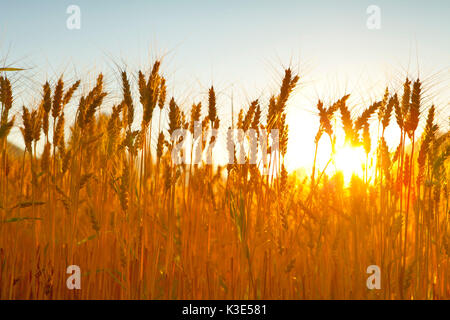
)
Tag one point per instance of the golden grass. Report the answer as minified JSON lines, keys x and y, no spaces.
{"x":141,"y":227}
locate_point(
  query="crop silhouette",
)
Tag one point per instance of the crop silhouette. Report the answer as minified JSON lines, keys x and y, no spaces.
{"x":111,"y":199}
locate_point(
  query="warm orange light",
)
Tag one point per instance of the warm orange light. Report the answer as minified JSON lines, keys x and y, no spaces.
{"x":350,"y":160}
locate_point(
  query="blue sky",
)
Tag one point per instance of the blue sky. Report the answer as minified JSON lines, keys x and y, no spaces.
{"x":240,"y":46}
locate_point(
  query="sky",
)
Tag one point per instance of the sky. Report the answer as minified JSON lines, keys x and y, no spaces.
{"x":240,"y":47}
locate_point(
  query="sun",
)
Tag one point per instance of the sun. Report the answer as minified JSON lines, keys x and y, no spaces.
{"x":350,"y":161}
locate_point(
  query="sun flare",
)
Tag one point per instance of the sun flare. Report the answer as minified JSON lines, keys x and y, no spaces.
{"x":350,"y":161}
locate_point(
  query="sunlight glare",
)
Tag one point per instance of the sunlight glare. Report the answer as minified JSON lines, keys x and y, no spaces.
{"x":350,"y":160}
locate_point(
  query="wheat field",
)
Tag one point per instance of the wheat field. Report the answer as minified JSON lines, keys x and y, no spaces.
{"x":108,"y":196}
